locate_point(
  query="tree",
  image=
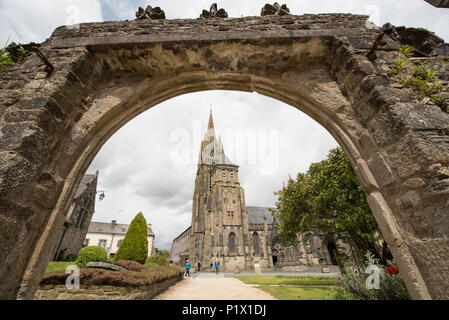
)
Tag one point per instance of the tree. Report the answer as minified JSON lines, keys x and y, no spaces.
{"x":135,"y":244}
{"x":329,"y":198}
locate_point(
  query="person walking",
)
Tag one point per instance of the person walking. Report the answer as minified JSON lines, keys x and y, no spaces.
{"x":217,"y":266}
{"x":211,"y":264}
{"x":187,"y":274}
{"x":199,"y":266}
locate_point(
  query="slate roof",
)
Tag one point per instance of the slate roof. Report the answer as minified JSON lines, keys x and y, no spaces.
{"x":256,"y":214}
{"x":88,"y":178}
{"x":109,"y":228}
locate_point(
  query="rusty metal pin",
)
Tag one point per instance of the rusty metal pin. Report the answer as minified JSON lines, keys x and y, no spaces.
{"x":48,"y":66}
{"x":378,"y":42}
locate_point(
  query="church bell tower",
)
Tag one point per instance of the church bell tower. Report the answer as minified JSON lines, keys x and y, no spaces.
{"x":219,"y":228}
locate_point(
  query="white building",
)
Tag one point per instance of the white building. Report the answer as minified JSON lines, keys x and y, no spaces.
{"x":110,"y":235}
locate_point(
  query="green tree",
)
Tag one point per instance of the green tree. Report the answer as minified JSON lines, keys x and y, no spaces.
{"x":135,"y":244}
{"x":328,"y":198}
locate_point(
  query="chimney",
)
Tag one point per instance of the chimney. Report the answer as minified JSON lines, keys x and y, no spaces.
{"x":114,"y":222}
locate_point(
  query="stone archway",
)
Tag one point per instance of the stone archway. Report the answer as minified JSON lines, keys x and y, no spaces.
{"x":105,"y":74}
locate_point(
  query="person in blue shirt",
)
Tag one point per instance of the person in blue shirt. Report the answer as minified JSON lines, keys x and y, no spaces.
{"x":187,"y":274}
{"x":217,"y":266}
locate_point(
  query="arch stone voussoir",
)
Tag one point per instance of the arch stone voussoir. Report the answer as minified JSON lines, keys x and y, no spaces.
{"x":105,"y":74}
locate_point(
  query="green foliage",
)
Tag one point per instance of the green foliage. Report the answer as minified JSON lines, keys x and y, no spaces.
{"x":70,"y":258}
{"x":57,"y":266}
{"x":328,"y":198}
{"x":135,"y":244}
{"x":91,"y":254}
{"x":5,"y":59}
{"x":353,"y":283}
{"x":406,"y":51}
{"x":289,"y":280}
{"x":157,"y":260}
{"x":420,"y":79}
{"x":298,"y":293}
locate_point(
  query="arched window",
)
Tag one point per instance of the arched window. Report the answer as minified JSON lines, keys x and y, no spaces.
{"x":212,"y":241}
{"x":256,"y":244}
{"x":232,"y":243}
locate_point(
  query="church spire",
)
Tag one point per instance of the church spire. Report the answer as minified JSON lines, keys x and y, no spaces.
{"x":211,"y":121}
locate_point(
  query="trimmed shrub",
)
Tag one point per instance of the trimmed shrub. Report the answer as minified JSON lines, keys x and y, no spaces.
{"x":91,"y":254}
{"x":157,"y":261}
{"x":135,"y":244}
{"x":129,"y":265}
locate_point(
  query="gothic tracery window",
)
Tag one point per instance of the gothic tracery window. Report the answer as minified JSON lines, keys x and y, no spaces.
{"x":256,"y":244}
{"x":232,"y":243}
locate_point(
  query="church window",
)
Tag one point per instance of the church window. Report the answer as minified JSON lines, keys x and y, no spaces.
{"x":86,"y":242}
{"x":233,"y":201}
{"x":232,"y":174}
{"x":232,"y":242}
{"x":256,"y":244}
{"x":223,"y":174}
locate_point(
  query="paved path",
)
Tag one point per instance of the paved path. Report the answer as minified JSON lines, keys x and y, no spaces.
{"x":210,"y":287}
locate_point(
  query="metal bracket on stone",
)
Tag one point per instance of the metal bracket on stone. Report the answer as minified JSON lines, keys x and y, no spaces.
{"x":48,"y":66}
{"x":379,"y":42}
{"x":275,"y":10}
{"x":150,"y":13}
{"x":214,"y":13}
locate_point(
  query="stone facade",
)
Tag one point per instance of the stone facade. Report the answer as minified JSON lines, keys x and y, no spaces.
{"x":179,"y":251}
{"x":78,"y":219}
{"x":223,"y":228}
{"x":54,"y":121}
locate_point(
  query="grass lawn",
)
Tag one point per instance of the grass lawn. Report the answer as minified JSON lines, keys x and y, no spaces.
{"x":290,"y":280}
{"x":57,"y":265}
{"x":299,"y":293}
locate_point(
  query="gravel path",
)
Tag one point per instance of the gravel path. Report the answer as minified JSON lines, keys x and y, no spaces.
{"x":213,"y":288}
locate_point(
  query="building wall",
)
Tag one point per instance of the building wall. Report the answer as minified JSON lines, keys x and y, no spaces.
{"x":112,"y":241}
{"x":180,"y":247}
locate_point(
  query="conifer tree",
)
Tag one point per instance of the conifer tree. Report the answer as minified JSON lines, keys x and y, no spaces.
{"x":135,"y":244}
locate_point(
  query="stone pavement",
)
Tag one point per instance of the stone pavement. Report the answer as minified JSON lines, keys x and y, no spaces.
{"x":207,"y":287}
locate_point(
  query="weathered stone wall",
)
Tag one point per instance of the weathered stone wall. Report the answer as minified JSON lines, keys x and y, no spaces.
{"x":105,"y":74}
{"x":77,"y":220}
{"x":61,"y":292}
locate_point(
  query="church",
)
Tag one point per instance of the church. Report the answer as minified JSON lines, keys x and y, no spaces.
{"x":223,"y":227}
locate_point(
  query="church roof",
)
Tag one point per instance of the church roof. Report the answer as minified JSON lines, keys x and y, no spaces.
{"x":110,"y":228}
{"x":256,"y":215}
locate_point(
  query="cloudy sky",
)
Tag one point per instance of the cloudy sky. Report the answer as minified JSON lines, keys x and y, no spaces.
{"x":149,"y":165}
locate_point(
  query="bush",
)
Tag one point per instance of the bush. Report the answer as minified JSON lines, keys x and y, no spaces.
{"x":157,"y":261}
{"x":135,"y":244}
{"x":70,"y":258}
{"x":91,"y":254}
{"x":129,"y":265}
{"x":353,"y":283}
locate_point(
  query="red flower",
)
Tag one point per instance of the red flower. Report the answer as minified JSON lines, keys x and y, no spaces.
{"x":391,"y":270}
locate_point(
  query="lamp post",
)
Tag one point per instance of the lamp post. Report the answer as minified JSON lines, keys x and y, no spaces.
{"x":102,"y":195}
